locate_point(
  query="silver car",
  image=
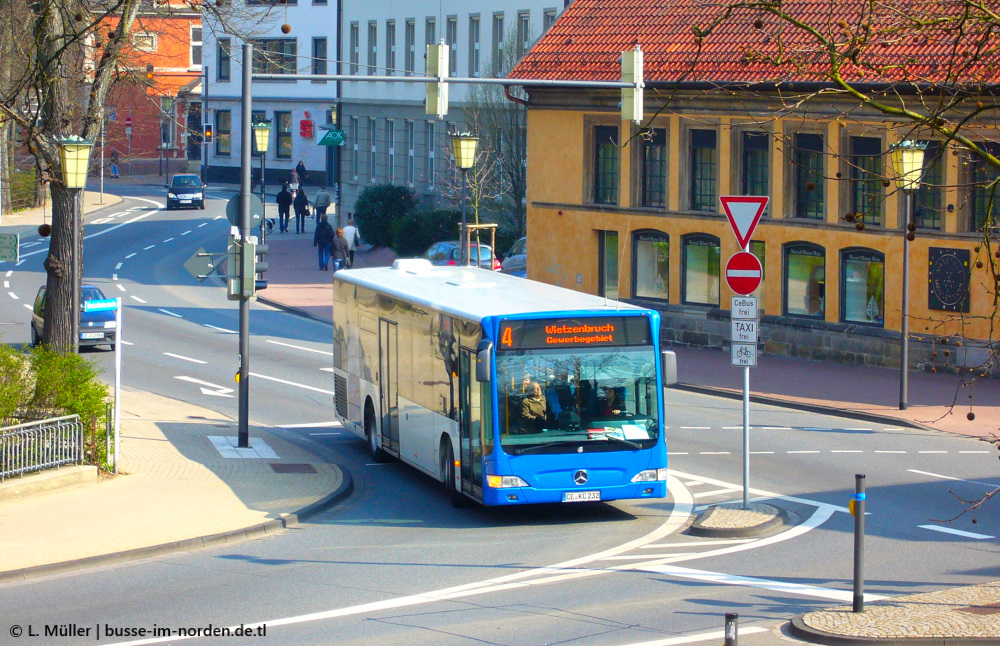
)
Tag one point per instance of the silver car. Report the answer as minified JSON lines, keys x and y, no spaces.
{"x":516,"y":262}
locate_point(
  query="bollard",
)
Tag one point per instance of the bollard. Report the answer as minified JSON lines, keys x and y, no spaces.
{"x":732,"y":629}
{"x":859,"y":542}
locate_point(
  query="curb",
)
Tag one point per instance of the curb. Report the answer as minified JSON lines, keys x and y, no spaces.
{"x":292,"y":310}
{"x":798,"y":628}
{"x":234,"y":536}
{"x":781,"y":518}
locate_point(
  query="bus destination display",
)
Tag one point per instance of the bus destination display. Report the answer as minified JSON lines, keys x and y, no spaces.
{"x":569,"y":333}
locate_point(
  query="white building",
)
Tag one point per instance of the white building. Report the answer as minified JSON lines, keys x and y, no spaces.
{"x":388,"y":135}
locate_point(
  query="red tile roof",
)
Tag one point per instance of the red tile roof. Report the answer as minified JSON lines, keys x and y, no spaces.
{"x":587,"y":40}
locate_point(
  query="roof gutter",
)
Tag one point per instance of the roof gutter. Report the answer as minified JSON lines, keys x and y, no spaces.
{"x":511,"y":97}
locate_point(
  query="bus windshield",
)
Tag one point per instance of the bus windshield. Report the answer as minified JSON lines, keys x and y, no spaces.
{"x":601,"y":399}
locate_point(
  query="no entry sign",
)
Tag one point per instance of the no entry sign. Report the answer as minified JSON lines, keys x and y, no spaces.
{"x":744,"y":273}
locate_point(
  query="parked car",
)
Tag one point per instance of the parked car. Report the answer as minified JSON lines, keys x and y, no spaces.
{"x":450,"y":253}
{"x":516,"y":262}
{"x":185,"y":190}
{"x":96,"y":328}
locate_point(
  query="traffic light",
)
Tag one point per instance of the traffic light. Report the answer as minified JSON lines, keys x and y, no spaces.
{"x":260,"y":266}
{"x":632,"y":96}
{"x":251,"y":266}
{"x":437,"y":92}
{"x":208,"y":133}
{"x":232,"y":270}
{"x":150,"y":73}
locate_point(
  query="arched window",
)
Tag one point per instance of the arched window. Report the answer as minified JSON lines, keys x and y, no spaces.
{"x":804,"y":272}
{"x":862,"y":286}
{"x":700,"y":269}
{"x":651,"y":265}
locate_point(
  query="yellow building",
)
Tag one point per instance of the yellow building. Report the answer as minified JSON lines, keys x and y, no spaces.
{"x":633,"y":211}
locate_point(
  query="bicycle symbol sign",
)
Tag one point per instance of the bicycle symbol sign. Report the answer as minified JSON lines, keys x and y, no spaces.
{"x":744,"y":354}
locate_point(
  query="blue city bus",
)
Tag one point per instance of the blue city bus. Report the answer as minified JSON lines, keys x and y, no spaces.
{"x":506,"y":390}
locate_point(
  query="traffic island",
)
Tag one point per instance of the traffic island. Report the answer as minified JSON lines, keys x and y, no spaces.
{"x":731,"y":520}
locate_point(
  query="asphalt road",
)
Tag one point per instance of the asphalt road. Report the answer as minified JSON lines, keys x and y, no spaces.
{"x":397,"y":564}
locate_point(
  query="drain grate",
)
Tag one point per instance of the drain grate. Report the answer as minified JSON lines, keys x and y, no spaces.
{"x":292,"y":468}
{"x":988,"y":609}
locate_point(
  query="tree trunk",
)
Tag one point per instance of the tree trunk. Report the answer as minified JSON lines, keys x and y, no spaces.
{"x":62,"y":282}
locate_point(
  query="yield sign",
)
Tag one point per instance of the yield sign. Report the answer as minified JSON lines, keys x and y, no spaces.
{"x":744,"y":213}
{"x":744,"y":273}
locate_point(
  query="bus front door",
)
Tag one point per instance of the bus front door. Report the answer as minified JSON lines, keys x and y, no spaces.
{"x":388,"y":385}
{"x":470,"y":425}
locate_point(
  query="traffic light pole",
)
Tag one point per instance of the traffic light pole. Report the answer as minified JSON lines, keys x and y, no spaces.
{"x":245,"y":169}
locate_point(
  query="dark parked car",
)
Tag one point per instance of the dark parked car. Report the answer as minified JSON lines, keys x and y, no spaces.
{"x":185,"y":190}
{"x":96,"y":328}
{"x":516,"y":262}
{"x":450,"y":253}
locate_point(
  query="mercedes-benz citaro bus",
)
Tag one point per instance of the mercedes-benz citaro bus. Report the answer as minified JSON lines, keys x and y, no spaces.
{"x":509,"y":391}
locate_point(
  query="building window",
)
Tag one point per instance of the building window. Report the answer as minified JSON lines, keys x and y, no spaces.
{"x":225,"y":61}
{"x":607,"y":270}
{"x":223,"y":133}
{"x":357,"y":151}
{"x":984,"y":202}
{"x":523,"y":32}
{"x":927,"y":200}
{"x":372,"y":132}
{"x":372,"y":47}
{"x":283,"y":141}
{"x":196,"y":43}
{"x":355,"y":45}
{"x":274,"y":55}
{"x":390,"y":143}
{"x":411,"y":144}
{"x":805,"y":279}
{"x":319,"y":56}
{"x":866,"y":179}
{"x":700,"y":270}
{"x":606,"y":165}
{"x":755,"y":163}
{"x":704,"y":170}
{"x":390,"y":48}
{"x":430,"y":32}
{"x":808,"y":169}
{"x":410,"y":37}
{"x":862,"y":286}
{"x":473,"y":45}
{"x":431,"y":143}
{"x":654,"y":167}
{"x":498,"y":64}
{"x":651,"y":265}
{"x":451,"y":37}
{"x":548,"y":19}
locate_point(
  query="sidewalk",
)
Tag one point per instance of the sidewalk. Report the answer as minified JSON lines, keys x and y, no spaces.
{"x":178,"y":492}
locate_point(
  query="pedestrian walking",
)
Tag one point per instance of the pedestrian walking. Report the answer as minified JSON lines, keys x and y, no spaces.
{"x":293,"y":181}
{"x":323,"y":239}
{"x":284,"y":201}
{"x":322,"y":202}
{"x":301,"y":206}
{"x":353,"y":237}
{"x":338,"y":251}
{"x":300,"y":170}
{"x":114,"y":164}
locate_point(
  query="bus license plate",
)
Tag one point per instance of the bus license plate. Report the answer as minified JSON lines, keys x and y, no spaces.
{"x":92,"y":335}
{"x":580,"y":496}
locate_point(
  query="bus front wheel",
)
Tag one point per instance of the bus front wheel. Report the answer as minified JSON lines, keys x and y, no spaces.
{"x":371,"y":433}
{"x":448,"y":474}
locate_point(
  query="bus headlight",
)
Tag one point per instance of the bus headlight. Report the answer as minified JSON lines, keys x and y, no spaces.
{"x":650,"y":475}
{"x":504,"y":482}
{"x":110,"y":325}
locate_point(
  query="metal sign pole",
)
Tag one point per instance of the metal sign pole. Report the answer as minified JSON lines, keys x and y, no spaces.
{"x":746,"y":430}
{"x":118,"y":373}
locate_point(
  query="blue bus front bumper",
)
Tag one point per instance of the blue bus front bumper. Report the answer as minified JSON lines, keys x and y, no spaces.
{"x":534,"y":495}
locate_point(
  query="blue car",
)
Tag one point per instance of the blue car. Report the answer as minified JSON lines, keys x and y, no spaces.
{"x":96,"y":328}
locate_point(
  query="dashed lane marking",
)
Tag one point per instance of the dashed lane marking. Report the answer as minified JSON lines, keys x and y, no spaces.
{"x":183,"y":358}
{"x":169,"y":313}
{"x":956,"y":532}
{"x":299,"y":347}
{"x":943,"y":477}
{"x":136,"y":298}
{"x":220,"y":329}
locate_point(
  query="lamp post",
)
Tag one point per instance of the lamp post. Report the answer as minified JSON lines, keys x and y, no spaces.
{"x":908,"y":164}
{"x":74,"y":157}
{"x":261,"y":140}
{"x":464,"y":147}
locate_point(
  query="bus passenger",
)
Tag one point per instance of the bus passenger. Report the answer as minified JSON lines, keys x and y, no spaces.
{"x":533,"y":408}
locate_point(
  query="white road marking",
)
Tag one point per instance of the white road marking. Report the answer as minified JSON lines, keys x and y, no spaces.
{"x":6,"y":284}
{"x":292,"y":383}
{"x":27,"y":306}
{"x":119,"y":265}
{"x":167,"y":240}
{"x":895,"y":428}
{"x":317,"y":434}
{"x":220,"y":329}
{"x":119,"y":286}
{"x":956,"y":532}
{"x":13,"y":295}
{"x":131,"y":255}
{"x":9,"y":273}
{"x":931,"y":451}
{"x":327,"y":369}
{"x":169,"y":313}
{"x":114,"y":276}
{"x":202,"y":224}
{"x":124,"y":342}
{"x":890,"y":451}
{"x":846,"y":451}
{"x":714,"y":492}
{"x":149,"y":247}
{"x":714,"y":453}
{"x":767,"y":584}
{"x":791,"y":452}
{"x":696,"y":428}
{"x":213,"y":389}
{"x":761,"y":452}
{"x":186,"y":232}
{"x":858,"y":428}
{"x":776,"y":428}
{"x":975,"y":451}
{"x":311,"y":425}
{"x":721,"y":541}
{"x":668,"y":452}
{"x":299,"y":347}
{"x":938,"y":475}
{"x":137,"y":298}
{"x":183,"y":358}
{"x":735,"y":428}
{"x":699,"y":637}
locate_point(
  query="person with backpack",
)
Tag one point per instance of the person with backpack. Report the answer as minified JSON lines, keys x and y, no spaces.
{"x":324,"y":239}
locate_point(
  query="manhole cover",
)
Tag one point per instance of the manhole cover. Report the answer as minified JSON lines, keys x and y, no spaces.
{"x":988,"y":609}
{"x":292,"y":468}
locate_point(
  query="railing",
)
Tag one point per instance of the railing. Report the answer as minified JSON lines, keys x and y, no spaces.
{"x":34,"y":446}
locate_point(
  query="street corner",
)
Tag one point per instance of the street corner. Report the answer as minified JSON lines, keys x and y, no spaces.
{"x":732,"y":520}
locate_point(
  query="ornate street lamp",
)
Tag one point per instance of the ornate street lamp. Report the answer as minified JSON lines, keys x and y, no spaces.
{"x":262,"y":140}
{"x":908,"y":166}
{"x":464,"y":147}
{"x":74,"y":158}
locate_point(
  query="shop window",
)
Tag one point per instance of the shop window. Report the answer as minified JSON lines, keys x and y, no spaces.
{"x":608,"y":268}
{"x":866,"y":179}
{"x":808,"y":171}
{"x":805,"y":279}
{"x":654,"y":167}
{"x":606,"y":165}
{"x":700,"y":269}
{"x":704,"y":170}
{"x":651,"y":265}
{"x":862,"y":286}
{"x":283,"y":141}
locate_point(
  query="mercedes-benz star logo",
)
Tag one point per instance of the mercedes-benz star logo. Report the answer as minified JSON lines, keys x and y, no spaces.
{"x":580,"y":477}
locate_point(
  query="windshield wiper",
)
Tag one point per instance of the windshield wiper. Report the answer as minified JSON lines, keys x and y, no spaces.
{"x":622,"y":440}
{"x":534,"y":448}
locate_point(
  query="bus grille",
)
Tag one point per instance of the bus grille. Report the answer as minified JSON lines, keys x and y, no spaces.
{"x":340,"y":394}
